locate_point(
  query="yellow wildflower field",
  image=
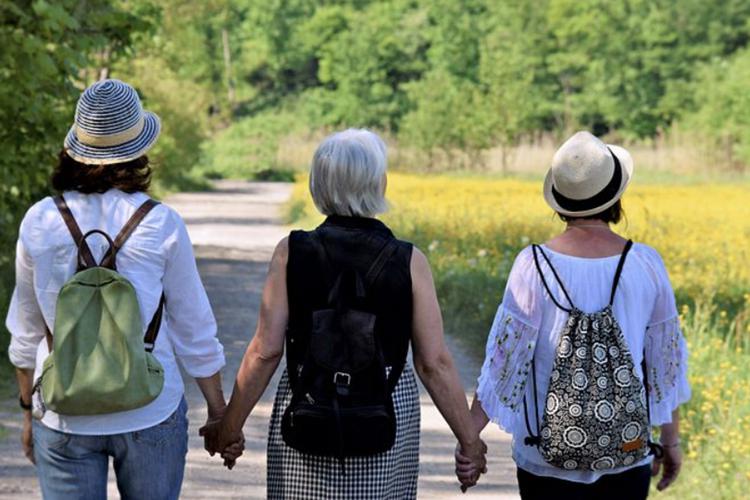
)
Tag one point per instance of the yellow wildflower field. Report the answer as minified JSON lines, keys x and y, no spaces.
{"x":471,"y":228}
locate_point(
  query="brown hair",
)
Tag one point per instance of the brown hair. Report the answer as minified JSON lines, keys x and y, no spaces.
{"x":609,"y":215}
{"x":130,"y":176}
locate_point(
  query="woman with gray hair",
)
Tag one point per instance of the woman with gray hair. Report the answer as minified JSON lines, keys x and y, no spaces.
{"x":348,"y":299}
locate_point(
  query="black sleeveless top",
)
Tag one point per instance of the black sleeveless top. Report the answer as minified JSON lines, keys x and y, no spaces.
{"x":351,"y":243}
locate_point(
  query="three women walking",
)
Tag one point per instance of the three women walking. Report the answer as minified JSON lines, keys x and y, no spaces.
{"x":584,"y":356}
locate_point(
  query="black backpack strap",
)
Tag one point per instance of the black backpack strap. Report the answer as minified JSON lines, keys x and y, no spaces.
{"x":535,"y":439}
{"x":84,"y":252}
{"x":384,"y":255}
{"x":387,"y":251}
{"x":532,"y":439}
{"x":394,"y":376}
{"x":655,"y":449}
{"x":618,"y":273}
{"x":536,"y":249}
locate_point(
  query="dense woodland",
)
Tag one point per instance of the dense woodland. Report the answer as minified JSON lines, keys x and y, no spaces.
{"x":438,"y":75}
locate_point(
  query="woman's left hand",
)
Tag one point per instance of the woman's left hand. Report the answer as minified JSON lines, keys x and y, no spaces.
{"x":470,"y":464}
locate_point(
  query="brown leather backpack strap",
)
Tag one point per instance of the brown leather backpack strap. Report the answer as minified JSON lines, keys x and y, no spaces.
{"x":110,"y":260}
{"x":152,"y":331}
{"x":75,"y":231}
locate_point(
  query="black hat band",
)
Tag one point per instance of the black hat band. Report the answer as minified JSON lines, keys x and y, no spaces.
{"x":601,"y":198}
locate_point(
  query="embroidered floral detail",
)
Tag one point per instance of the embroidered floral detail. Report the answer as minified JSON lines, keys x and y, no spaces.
{"x":510,"y":362}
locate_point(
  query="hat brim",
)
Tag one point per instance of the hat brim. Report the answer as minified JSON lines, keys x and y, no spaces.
{"x":626,"y":161}
{"x":109,"y":155}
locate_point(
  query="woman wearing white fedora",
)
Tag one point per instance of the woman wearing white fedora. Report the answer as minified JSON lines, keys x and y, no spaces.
{"x":102,"y":177}
{"x":586,"y":354}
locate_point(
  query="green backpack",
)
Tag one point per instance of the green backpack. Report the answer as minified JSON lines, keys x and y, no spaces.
{"x":100,"y":361}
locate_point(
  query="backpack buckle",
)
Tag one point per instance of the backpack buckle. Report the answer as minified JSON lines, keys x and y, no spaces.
{"x":149,"y":346}
{"x":338,"y":376}
{"x":342,"y":381}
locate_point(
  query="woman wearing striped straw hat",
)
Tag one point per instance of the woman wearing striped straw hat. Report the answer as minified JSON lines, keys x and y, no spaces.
{"x":102,"y":177}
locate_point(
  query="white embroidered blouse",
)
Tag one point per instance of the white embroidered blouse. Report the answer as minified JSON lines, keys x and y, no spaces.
{"x":528,"y":324}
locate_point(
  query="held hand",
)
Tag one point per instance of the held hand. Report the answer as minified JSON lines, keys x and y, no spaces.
{"x":470,"y":463}
{"x":671,"y":462}
{"x":232,"y":452}
{"x":210,"y":431}
{"x":210,"y":435}
{"x":27,"y":440}
{"x":218,"y":439}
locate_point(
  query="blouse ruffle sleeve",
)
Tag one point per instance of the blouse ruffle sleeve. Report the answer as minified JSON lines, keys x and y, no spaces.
{"x":510,"y":345}
{"x":666,"y":351}
{"x":666,"y":362}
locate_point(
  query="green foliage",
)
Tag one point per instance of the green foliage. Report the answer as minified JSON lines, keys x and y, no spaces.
{"x":46,"y":49}
{"x":249,"y":147}
{"x":723,"y":108}
{"x":445,"y":75}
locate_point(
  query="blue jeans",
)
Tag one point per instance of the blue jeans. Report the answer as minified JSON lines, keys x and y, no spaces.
{"x":149,"y":464}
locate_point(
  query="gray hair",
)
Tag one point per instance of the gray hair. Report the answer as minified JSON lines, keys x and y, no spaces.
{"x":348,"y":174}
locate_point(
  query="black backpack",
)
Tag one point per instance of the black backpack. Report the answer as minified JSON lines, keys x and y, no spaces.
{"x":342,"y":402}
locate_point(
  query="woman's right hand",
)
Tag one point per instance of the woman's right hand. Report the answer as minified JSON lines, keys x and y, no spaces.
{"x":671,"y":463}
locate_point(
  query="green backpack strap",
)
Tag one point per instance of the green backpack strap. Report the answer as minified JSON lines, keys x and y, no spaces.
{"x":86,"y":258}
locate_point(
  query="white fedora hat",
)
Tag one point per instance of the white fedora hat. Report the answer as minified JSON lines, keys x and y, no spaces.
{"x":587,"y":176}
{"x":111,"y":125}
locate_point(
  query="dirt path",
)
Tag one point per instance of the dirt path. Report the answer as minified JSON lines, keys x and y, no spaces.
{"x":234,"y":230}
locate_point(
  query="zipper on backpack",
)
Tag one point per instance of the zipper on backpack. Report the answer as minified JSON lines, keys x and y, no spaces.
{"x":310,"y":399}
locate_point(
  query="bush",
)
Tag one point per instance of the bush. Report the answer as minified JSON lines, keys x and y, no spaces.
{"x":249,"y":146}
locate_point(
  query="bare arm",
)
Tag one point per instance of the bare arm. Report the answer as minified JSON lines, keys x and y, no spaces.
{"x":433,"y":361}
{"x":672,"y":459}
{"x":478,"y":416}
{"x":214,"y":395}
{"x":264,"y":353}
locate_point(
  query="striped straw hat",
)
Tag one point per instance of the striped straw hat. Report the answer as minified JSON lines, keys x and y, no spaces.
{"x":111,"y":125}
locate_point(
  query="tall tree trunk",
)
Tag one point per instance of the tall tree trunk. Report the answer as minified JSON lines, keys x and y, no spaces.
{"x":228,"y":67}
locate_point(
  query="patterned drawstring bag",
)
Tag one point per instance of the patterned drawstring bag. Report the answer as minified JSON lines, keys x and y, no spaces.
{"x":596,"y":413}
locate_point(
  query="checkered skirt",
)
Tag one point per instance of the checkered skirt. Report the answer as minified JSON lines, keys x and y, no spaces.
{"x":393,"y":474}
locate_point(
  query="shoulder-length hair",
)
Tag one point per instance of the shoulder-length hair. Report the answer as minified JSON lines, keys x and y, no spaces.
{"x":71,"y":175}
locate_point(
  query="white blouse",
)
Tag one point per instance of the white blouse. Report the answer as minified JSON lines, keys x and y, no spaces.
{"x":157,"y":256}
{"x":528,"y":324}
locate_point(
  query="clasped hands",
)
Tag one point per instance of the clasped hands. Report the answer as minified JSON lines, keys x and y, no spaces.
{"x":471,"y":462}
{"x":219,"y":438}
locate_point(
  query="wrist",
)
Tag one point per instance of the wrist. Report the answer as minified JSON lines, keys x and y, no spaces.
{"x":230,"y":425}
{"x":672,"y":443}
{"x":469,"y":442}
{"x":216,"y":410}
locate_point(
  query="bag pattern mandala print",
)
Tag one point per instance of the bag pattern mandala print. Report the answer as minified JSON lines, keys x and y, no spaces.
{"x":596,"y":410}
{"x":595,"y":414}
